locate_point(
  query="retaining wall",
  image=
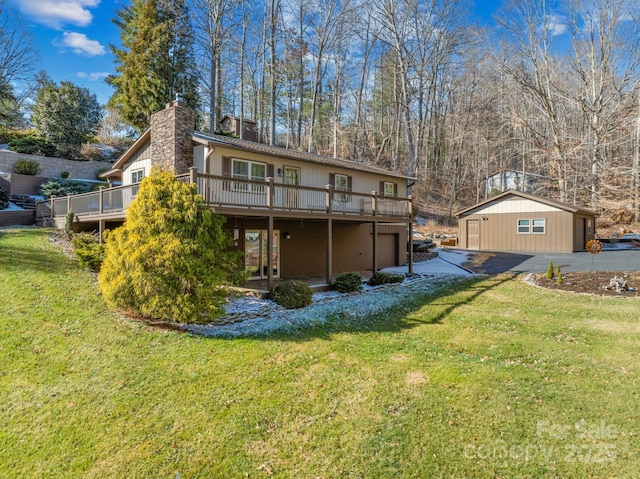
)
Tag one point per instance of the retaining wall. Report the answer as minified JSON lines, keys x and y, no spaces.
{"x":52,"y":167}
{"x":14,"y":218}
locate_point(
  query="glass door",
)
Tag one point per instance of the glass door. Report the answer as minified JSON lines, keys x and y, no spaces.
{"x":255,"y":254}
{"x":292,"y":178}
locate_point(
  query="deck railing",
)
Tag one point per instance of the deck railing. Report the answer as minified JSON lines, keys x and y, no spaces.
{"x":231,"y":193}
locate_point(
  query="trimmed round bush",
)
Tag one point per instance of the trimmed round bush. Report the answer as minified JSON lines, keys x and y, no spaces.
{"x":292,"y":294}
{"x":379,"y":278}
{"x":26,"y":167}
{"x":88,"y":250}
{"x":347,"y":282}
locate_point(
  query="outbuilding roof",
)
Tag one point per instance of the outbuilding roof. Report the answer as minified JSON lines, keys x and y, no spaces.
{"x":540,"y":199}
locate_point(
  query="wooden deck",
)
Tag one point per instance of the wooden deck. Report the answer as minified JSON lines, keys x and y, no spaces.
{"x":234,"y":196}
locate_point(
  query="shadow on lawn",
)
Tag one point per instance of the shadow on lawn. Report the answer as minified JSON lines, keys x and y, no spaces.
{"x":30,"y":256}
{"x":404,"y":315}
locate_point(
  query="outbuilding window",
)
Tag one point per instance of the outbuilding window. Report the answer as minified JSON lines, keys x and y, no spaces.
{"x":531,"y":226}
{"x":524,"y":227}
{"x":538,"y":226}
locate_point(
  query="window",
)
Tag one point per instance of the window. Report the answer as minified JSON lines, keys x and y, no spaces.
{"x":136,"y":176}
{"x":389,"y":188}
{"x":523,"y":227}
{"x":341,"y":185}
{"x":248,"y":170}
{"x":538,"y":226}
{"x":528,"y":226}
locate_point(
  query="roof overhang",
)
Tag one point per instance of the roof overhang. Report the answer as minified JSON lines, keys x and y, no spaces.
{"x":540,"y":199}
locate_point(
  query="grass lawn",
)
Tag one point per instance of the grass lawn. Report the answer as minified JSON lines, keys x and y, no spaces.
{"x":490,"y":379}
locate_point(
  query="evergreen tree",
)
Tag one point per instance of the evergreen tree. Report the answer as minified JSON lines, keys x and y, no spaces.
{"x":65,"y":114}
{"x":170,"y":259}
{"x":156,"y":60}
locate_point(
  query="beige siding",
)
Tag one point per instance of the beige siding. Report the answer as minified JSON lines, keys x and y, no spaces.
{"x":500,"y":232}
{"x":314,"y":175}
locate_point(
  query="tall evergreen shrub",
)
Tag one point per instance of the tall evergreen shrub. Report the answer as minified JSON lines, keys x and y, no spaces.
{"x":169,"y":260}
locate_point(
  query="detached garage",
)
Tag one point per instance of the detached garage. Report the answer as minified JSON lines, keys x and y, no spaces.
{"x":518,"y":221}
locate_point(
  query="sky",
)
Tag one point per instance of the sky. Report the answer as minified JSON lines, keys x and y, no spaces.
{"x":73,"y":38}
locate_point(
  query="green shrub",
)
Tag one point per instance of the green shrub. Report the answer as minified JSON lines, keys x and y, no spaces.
{"x":62,"y":187}
{"x":292,"y":294}
{"x":26,"y":167}
{"x":65,"y":174}
{"x":33,"y":145}
{"x":4,"y":199}
{"x":68,"y":223}
{"x":550,"y":270}
{"x":170,"y":260}
{"x":559,"y":277}
{"x":88,"y":250}
{"x":379,"y":278}
{"x":347,"y":282}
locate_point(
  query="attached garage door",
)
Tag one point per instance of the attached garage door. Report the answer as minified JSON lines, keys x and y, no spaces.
{"x":387,"y":250}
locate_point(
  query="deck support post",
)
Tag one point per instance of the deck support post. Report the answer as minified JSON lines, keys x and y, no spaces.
{"x":410,"y":246}
{"x":270,"y":254}
{"x":375,"y":245}
{"x":329,"y":251}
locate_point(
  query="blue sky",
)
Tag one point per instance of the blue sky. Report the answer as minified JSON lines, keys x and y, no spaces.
{"x":73,"y":38}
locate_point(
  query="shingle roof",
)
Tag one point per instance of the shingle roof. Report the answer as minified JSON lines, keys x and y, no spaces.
{"x":529,"y":196}
{"x":281,"y":152}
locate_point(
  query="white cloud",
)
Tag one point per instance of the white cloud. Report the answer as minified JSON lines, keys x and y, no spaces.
{"x":94,"y":76}
{"x":80,"y":44}
{"x":57,"y":13}
{"x":555,"y":25}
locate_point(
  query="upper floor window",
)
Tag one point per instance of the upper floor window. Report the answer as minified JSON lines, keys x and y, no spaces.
{"x":389,"y":188}
{"x":341,"y":185}
{"x":136,"y":176}
{"x":249,"y":170}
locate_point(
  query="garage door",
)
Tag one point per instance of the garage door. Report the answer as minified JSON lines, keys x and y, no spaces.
{"x":387,"y":250}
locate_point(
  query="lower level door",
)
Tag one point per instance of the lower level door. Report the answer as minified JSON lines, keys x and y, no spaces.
{"x":256,"y":254}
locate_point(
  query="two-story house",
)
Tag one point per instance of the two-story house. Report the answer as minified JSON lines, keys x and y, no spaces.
{"x":293,"y":214}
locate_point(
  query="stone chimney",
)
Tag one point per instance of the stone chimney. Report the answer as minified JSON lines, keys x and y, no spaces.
{"x":171,"y":131}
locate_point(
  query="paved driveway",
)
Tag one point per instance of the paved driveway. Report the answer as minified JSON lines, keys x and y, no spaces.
{"x":522,"y":262}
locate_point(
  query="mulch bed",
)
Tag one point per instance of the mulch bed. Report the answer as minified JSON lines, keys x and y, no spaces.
{"x":592,"y":283}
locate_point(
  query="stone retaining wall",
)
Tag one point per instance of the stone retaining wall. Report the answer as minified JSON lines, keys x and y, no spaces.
{"x":14,"y":218}
{"x":52,"y":167}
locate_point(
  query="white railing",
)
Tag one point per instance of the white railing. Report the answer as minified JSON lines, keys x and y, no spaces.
{"x":225,"y":192}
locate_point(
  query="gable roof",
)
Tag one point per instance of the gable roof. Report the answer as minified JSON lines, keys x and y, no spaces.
{"x":280,"y":152}
{"x":252,"y":146}
{"x":539,"y":199}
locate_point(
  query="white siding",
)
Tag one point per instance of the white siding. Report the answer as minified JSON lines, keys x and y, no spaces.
{"x":515,"y":205}
{"x":144,"y":164}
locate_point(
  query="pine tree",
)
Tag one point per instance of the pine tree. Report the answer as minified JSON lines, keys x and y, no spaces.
{"x":170,"y":259}
{"x":156,"y":60}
